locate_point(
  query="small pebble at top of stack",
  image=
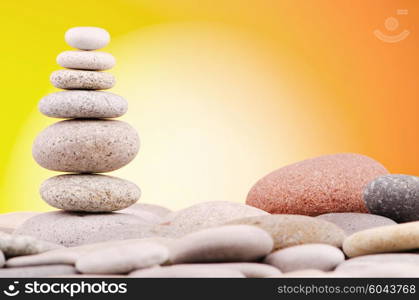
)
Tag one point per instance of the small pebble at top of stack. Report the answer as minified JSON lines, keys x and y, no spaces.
{"x":329,"y":183}
{"x":87,"y":38}
{"x":394,"y":196}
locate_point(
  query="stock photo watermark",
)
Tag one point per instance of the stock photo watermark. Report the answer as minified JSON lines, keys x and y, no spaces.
{"x":61,"y":288}
{"x":392,"y":25}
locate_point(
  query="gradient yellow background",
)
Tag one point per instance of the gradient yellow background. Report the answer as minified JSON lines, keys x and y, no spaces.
{"x":221,"y":92}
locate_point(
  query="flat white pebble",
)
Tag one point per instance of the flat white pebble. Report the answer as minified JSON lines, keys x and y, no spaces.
{"x":86,"y":60}
{"x":187,"y":271}
{"x":83,"y":104}
{"x":87,"y":37}
{"x":122,"y":258}
{"x":234,"y":243}
{"x":82,"y":80}
{"x":309,"y":256}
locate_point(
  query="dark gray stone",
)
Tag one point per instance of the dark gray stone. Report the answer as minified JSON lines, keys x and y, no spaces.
{"x":394,"y":196}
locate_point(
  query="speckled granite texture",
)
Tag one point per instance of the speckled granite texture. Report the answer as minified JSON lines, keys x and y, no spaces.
{"x":83,"y":80}
{"x":89,"y":192}
{"x":83,"y":104}
{"x":394,"y":196}
{"x":86,"y":146}
{"x":329,"y":183}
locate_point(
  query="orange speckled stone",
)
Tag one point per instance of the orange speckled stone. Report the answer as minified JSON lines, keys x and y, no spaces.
{"x":328,"y":183}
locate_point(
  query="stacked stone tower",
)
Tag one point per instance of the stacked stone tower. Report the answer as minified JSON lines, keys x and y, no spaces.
{"x":89,"y":141}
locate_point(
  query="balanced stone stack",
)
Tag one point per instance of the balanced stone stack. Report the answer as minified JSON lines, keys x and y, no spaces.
{"x":88,"y":142}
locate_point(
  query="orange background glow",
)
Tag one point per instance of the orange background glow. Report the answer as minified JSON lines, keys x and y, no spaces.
{"x":221,"y":92}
